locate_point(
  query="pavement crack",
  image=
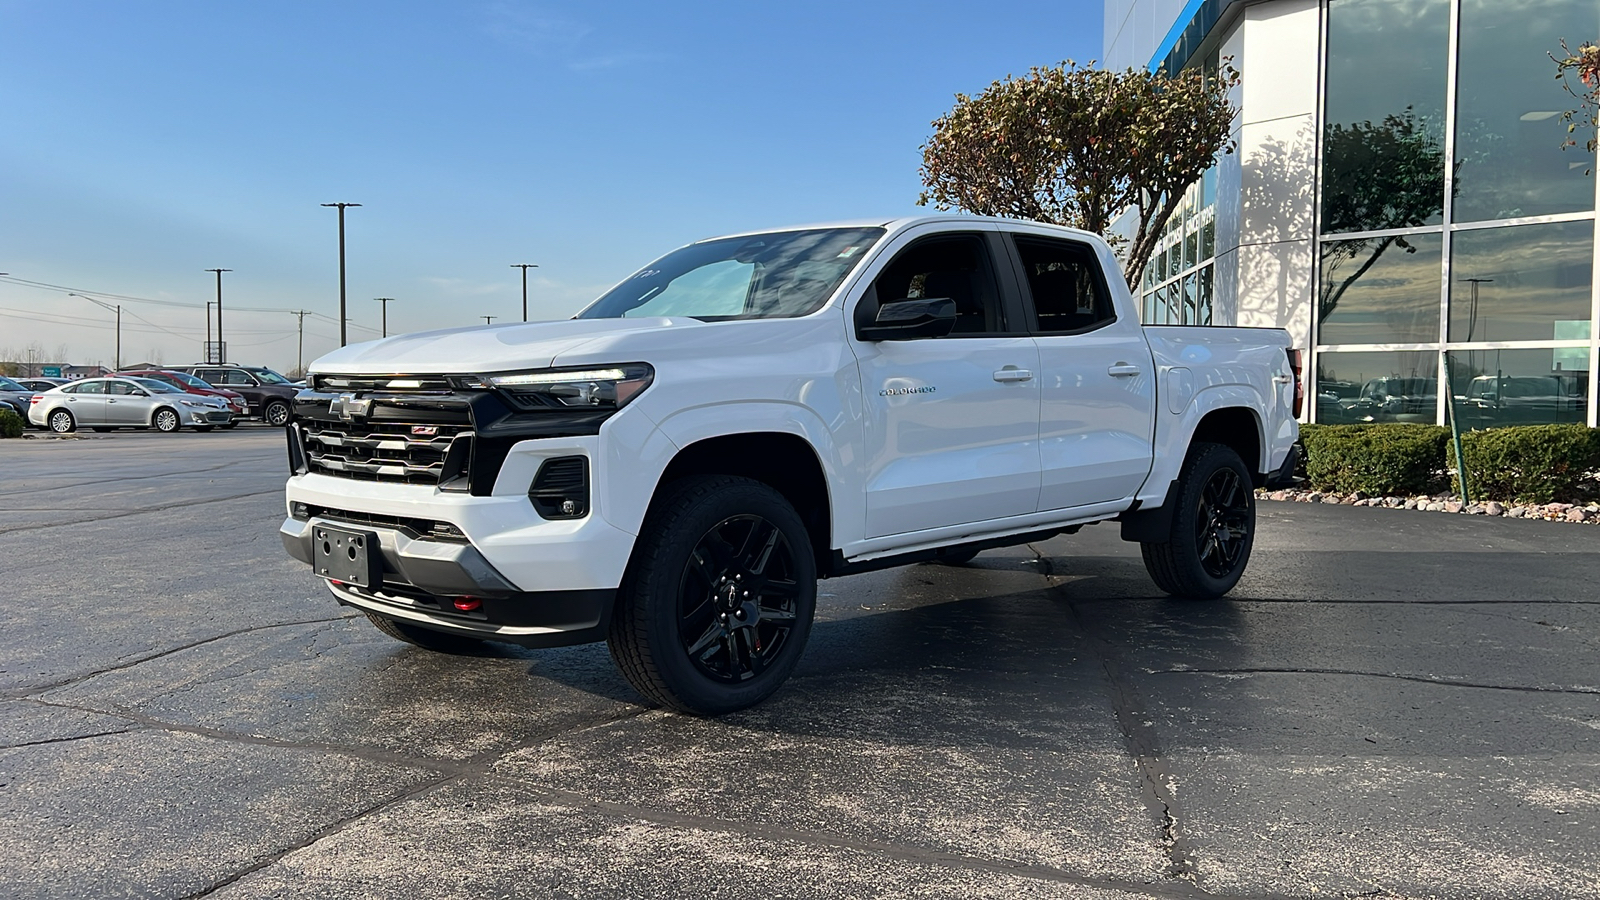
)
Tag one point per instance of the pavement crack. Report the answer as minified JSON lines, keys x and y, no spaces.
{"x":165,"y":507}
{"x":883,"y":849}
{"x":1139,"y":735}
{"x":66,"y":740}
{"x":327,"y":831}
{"x":1420,"y":679}
{"x":85,"y":676}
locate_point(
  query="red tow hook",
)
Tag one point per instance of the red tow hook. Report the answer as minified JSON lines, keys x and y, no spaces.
{"x":467,"y":604}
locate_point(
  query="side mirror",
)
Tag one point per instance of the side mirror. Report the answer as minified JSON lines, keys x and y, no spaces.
{"x":903,"y":320}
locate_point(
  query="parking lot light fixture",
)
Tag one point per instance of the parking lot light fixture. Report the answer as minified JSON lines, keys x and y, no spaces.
{"x":343,"y":316}
{"x":524,"y":267}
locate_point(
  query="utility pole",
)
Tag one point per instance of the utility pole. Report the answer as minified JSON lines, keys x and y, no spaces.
{"x":117,"y":360}
{"x":489,"y":320}
{"x":385,"y":301}
{"x":342,"y":316}
{"x":300,"y":350}
{"x":524,"y":267}
{"x":222,"y":346}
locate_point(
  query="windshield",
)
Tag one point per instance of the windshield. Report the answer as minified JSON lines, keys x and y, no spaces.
{"x":186,"y":378}
{"x":764,"y":276}
{"x":267,"y":376}
{"x":156,"y":387}
{"x":7,"y":384}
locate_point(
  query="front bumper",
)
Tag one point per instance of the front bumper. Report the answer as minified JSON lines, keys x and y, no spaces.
{"x":423,"y":578}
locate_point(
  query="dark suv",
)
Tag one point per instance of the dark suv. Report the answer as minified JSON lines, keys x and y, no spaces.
{"x":269,"y":394}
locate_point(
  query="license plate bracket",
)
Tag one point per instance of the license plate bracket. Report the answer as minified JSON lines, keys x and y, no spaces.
{"x":345,"y":555}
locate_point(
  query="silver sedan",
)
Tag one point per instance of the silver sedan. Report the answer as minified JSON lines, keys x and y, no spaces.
{"x":107,"y":403}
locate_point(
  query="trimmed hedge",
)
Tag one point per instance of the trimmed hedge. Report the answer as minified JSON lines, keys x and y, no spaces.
{"x":1531,"y":463}
{"x":1520,"y":464}
{"x":1375,"y":459}
{"x":11,"y":424}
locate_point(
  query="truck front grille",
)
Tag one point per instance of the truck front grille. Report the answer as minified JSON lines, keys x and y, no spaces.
{"x":403,"y":452}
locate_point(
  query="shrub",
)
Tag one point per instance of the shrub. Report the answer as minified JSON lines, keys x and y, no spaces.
{"x":10,"y":423}
{"x":1375,"y":459}
{"x":1531,"y":463}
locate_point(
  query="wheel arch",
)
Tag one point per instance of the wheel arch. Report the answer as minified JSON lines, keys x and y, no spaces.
{"x":784,"y":461}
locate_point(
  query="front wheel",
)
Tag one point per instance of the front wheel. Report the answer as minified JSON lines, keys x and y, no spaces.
{"x":1213,"y":526}
{"x":167,"y":421}
{"x":717,"y":602}
{"x":276,"y":413}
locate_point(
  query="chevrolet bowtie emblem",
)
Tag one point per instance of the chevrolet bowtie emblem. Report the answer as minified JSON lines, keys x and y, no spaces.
{"x":349,"y":406}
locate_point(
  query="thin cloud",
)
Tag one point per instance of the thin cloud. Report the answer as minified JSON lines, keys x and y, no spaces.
{"x":527,"y":27}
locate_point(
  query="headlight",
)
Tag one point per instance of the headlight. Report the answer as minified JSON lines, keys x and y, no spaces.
{"x":589,"y":388}
{"x":191,"y":403}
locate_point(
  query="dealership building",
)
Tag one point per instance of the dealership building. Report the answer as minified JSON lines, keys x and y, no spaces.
{"x":1399,"y":199}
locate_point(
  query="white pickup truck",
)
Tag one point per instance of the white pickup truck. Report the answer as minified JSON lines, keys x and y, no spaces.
{"x":673,"y":469}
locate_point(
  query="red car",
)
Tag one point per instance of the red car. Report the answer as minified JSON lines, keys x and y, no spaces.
{"x":186,"y":382}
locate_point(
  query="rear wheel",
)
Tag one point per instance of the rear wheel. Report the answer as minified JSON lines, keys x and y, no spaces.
{"x":1213,"y":527}
{"x":717,"y":602}
{"x":276,"y":413}
{"x":166,"y":420}
{"x":426,"y":638}
{"x":61,"y":422}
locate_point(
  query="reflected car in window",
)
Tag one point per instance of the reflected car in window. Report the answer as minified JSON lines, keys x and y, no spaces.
{"x":1493,"y":400}
{"x":107,"y":403}
{"x":1397,"y":399}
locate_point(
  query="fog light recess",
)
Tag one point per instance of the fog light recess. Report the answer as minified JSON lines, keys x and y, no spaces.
{"x":561,"y":489}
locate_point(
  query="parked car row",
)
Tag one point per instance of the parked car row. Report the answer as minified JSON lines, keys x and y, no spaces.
{"x":165,"y":399}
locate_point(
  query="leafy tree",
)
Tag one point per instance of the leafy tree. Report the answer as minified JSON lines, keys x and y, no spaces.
{"x":1586,"y":63}
{"x":1077,"y":146}
{"x":1375,"y":177}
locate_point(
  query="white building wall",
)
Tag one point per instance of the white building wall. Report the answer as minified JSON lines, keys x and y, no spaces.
{"x":1277,"y":49}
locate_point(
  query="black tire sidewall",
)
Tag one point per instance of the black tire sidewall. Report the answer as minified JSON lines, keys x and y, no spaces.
{"x":266,"y":413}
{"x":653,"y":592}
{"x":1205,"y":462}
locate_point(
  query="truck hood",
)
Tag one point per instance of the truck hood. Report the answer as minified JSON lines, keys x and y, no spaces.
{"x":485,"y":348}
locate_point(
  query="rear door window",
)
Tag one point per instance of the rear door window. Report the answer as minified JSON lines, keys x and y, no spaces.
{"x":1069,"y":292}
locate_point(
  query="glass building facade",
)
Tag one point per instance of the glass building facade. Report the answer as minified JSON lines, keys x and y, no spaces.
{"x":1456,"y":236}
{"x":1401,"y":201}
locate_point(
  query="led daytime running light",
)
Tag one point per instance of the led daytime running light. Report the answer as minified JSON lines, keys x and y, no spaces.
{"x":523,"y":378}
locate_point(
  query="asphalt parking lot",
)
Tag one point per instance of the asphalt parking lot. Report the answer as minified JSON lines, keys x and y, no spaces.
{"x":1391,"y":704}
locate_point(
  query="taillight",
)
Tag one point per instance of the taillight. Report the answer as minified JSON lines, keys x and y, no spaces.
{"x":1297,"y":366}
{"x":33,"y":400}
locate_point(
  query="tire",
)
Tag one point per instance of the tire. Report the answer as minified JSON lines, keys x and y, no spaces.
{"x":956,"y":556}
{"x":61,"y":422}
{"x":1213,"y":527}
{"x":166,"y":420}
{"x":275,"y":413}
{"x":426,"y":638}
{"x":716,"y":605}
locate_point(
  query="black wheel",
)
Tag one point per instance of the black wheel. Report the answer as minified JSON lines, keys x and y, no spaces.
{"x":716,"y":605}
{"x":426,"y":638}
{"x":61,"y":422}
{"x":166,"y":420}
{"x":1213,"y":527}
{"x":276,"y":413}
{"x":956,"y":556}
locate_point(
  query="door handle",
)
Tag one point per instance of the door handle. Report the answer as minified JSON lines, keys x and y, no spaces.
{"x":1123,"y":370}
{"x":109,"y":400}
{"x":1012,"y":373}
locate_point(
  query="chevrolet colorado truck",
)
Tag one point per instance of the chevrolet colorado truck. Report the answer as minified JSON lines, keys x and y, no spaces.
{"x":672,"y":470}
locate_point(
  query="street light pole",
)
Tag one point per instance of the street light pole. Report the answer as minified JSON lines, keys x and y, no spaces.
{"x":524,"y":267}
{"x":385,"y":301}
{"x":222,"y":346}
{"x":342,"y":317}
{"x":116,"y":360}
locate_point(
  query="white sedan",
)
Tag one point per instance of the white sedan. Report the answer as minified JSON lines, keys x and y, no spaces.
{"x":107,"y":403}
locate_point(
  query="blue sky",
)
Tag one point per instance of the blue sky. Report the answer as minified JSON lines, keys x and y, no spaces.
{"x":146,"y":142}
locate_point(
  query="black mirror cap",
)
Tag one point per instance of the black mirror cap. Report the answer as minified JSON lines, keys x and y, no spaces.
{"x":903,"y":320}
